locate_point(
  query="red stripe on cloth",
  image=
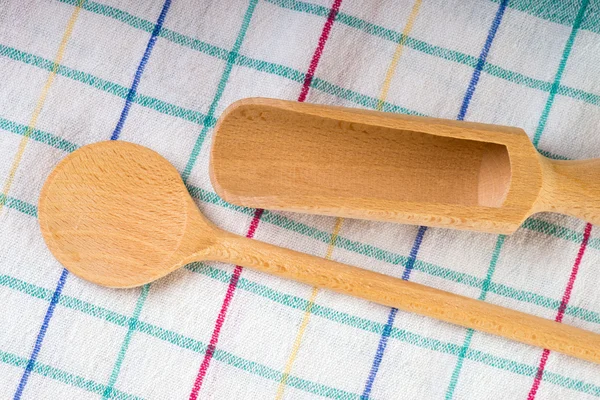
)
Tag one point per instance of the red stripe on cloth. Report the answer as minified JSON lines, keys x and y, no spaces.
{"x":538,"y":375}
{"x":335,"y":8}
{"x":561,"y":309}
{"x":222,"y":314}
{"x":214,"y":339}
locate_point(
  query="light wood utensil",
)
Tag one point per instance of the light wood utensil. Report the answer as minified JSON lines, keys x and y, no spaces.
{"x":119,"y":215}
{"x":354,"y":163}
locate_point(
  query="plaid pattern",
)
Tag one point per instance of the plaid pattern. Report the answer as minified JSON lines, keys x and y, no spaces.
{"x":160,"y":73}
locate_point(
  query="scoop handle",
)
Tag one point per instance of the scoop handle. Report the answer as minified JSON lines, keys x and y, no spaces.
{"x":407,"y":296}
{"x":571,"y":187}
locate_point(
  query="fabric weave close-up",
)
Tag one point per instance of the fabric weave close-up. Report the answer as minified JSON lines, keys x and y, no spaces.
{"x":160,"y":73}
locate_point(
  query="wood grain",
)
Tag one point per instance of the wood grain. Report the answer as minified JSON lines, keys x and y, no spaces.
{"x":365,"y":164}
{"x":571,"y":187}
{"x":119,"y":215}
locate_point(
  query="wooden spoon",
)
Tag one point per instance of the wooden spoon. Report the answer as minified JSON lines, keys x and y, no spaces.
{"x":119,"y":215}
{"x":366,"y":164}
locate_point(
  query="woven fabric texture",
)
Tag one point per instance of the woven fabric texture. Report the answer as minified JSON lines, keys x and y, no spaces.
{"x":159,"y":73}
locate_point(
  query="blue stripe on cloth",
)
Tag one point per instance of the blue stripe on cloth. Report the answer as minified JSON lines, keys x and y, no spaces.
{"x":482,"y":58}
{"x":387,"y":329}
{"x":140,"y":70}
{"x":422,"y":229}
{"x":410,"y":263}
{"x":63,"y":277}
{"x":41,"y":334}
{"x":500,"y":241}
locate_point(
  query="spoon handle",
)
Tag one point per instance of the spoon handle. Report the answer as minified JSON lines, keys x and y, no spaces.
{"x":407,"y":296}
{"x":571,"y":187}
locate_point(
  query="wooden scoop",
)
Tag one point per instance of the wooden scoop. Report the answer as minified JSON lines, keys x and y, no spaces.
{"x":365,"y":164}
{"x":119,"y":215}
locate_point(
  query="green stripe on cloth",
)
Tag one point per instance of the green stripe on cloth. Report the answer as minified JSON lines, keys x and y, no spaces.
{"x":240,"y":60}
{"x":559,"y":72}
{"x":354,"y":22}
{"x":361,"y":99}
{"x":523,"y":80}
{"x":18,"y":205}
{"x":148,"y":26}
{"x":192,"y":115}
{"x":198,"y":118}
{"x":195,"y":44}
{"x":550,"y":229}
{"x":433,"y":50}
{"x":65,"y":301}
{"x":552,"y":155}
{"x":299,"y":303}
{"x":249,"y":366}
{"x":530,"y":371}
{"x":559,"y":11}
{"x":173,"y":338}
{"x":108,"y":392}
{"x":470,"y":332}
{"x":592,"y":21}
{"x":104,"y":85}
{"x":220,"y":89}
{"x":579,"y":94}
{"x":38,"y":135}
{"x":63,"y":376}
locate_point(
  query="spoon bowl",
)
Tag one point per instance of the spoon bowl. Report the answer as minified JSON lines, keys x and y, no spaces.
{"x":117,"y":214}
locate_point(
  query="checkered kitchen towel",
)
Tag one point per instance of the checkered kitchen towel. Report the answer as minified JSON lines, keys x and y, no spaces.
{"x":159,"y":73}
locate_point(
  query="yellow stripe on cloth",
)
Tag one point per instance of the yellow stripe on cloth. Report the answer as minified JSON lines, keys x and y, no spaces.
{"x":392,"y":68}
{"x":40,"y":104}
{"x":306,"y":317}
{"x":382,"y":97}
